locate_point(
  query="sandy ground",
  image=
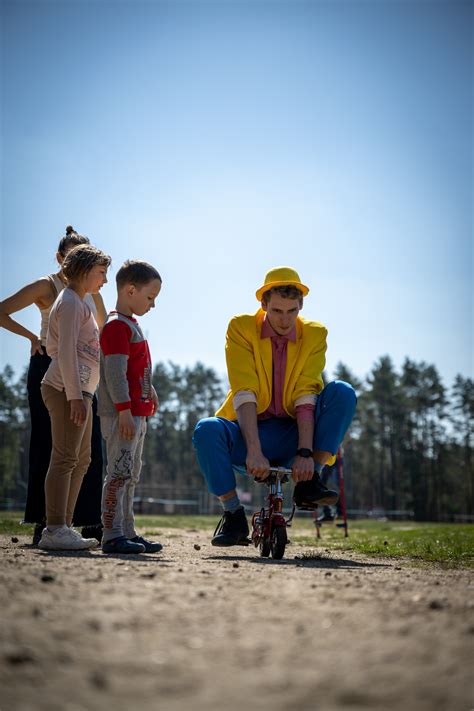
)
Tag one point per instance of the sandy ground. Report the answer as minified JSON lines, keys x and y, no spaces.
{"x":224,"y":629}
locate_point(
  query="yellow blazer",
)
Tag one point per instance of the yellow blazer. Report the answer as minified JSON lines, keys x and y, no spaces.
{"x":249,"y":363}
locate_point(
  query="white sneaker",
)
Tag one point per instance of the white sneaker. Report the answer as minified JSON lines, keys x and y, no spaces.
{"x":65,"y":539}
{"x":92,"y":542}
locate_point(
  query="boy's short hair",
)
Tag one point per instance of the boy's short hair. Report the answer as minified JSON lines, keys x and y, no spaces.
{"x":286,"y":292}
{"x":136,"y":272}
{"x":81,"y":259}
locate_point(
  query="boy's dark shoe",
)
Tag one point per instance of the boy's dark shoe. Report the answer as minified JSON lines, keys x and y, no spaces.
{"x":122,"y":544}
{"x":150,"y":546}
{"x":92,"y":532}
{"x":232,"y":529}
{"x":308,"y":494}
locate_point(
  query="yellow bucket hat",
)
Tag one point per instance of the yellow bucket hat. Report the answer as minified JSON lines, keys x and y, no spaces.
{"x":281,"y":276}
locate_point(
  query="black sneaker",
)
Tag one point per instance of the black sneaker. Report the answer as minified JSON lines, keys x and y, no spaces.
{"x":150,"y":547}
{"x":92,"y":532}
{"x":308,"y":494}
{"x":232,"y":529}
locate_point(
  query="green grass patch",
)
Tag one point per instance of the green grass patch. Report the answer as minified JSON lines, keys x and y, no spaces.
{"x":10,"y":523}
{"x":451,"y":545}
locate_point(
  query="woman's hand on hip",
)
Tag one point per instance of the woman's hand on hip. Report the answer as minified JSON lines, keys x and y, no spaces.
{"x":36,"y":346}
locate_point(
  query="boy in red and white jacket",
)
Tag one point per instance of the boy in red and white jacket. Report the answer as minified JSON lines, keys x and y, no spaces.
{"x":126,"y":398}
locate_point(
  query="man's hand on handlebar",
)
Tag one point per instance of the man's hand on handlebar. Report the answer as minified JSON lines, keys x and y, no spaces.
{"x":303,"y":468}
{"x":258,"y":466}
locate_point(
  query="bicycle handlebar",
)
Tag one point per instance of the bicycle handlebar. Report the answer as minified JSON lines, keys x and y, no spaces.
{"x":280,"y":471}
{"x":276,"y":473}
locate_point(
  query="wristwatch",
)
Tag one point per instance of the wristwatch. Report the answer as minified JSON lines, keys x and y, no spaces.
{"x":304,"y":452}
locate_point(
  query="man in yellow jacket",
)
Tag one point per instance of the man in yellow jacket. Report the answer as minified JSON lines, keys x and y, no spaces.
{"x":277,"y":411}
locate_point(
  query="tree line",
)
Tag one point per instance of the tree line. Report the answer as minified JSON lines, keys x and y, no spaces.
{"x":409,"y":447}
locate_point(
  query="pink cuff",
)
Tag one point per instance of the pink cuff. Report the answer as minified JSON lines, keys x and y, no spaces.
{"x":304,"y":413}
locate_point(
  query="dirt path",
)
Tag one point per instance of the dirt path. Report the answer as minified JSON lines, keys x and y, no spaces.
{"x":208,"y":629}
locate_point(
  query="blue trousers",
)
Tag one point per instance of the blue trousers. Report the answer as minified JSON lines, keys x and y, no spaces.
{"x":220,"y":446}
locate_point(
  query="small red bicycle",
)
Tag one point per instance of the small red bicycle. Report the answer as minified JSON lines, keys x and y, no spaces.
{"x":269,"y":525}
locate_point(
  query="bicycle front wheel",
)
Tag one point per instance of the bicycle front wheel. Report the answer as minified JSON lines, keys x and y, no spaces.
{"x":278,"y":542}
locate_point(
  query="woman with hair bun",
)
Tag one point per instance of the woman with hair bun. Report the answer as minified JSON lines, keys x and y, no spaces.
{"x":43,"y":293}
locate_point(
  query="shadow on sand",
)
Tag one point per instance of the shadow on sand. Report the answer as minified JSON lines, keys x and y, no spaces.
{"x":313,"y":562}
{"x":98,"y":555}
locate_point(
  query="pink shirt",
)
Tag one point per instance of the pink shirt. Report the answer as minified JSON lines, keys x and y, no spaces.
{"x":279,"y":349}
{"x":73,"y":344}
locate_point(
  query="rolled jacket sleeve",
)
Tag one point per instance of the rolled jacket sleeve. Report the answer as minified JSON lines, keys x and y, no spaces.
{"x":242,"y":397}
{"x":309,"y":399}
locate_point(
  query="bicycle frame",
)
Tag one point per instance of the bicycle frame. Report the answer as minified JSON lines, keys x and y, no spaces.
{"x":269,"y":524}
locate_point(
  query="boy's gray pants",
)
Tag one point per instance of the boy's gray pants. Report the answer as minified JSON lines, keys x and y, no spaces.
{"x":124,"y":462}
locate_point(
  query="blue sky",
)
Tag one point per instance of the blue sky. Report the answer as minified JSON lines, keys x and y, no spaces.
{"x":220,"y":139}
